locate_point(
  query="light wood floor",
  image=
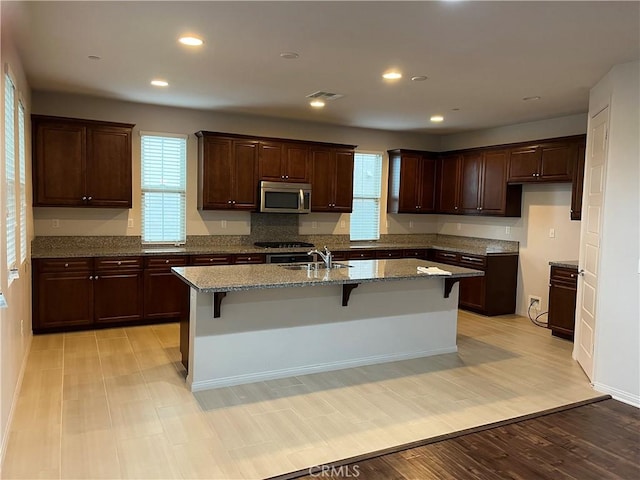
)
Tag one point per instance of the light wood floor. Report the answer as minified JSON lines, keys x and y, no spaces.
{"x":113,"y":404}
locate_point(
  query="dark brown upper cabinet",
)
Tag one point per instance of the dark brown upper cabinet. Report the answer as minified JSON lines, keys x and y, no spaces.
{"x":544,"y":161}
{"x":81,"y":163}
{"x":577,"y":182}
{"x":332,"y":179}
{"x":412,"y":182}
{"x":448,"y":189}
{"x":227,"y":173}
{"x":284,"y":162}
{"x":483,"y":185}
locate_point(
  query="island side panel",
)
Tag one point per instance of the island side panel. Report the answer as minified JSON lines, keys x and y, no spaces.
{"x":275,"y":333}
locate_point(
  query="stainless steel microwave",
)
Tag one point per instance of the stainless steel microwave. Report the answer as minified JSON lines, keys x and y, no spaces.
{"x":283,"y":197}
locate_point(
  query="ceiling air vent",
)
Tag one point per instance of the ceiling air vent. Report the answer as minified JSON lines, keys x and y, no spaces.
{"x":325,"y":95}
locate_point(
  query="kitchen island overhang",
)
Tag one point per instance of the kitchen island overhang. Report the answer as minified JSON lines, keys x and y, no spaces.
{"x":272,"y":325}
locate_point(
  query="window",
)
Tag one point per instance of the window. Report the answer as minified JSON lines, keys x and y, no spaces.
{"x":164,"y":185}
{"x":367,"y":180}
{"x":10,"y":173}
{"x":23,"y":183}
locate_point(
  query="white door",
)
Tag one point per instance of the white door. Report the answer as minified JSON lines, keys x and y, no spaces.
{"x":591,"y":228}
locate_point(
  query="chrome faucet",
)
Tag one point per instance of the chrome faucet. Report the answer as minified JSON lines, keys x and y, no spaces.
{"x":326,"y":256}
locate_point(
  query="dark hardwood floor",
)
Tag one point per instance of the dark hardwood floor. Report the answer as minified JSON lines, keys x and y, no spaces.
{"x":597,"y":441}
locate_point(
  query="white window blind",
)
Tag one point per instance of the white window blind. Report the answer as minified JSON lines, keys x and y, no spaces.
{"x":164,"y":185}
{"x":23,"y":183}
{"x":367,"y":180}
{"x":10,"y":173}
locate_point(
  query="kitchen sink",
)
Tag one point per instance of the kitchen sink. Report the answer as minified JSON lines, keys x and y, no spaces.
{"x":312,"y":266}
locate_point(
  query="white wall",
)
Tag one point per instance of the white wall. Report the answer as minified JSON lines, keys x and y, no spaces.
{"x":617,"y":337}
{"x":180,"y":120}
{"x":15,"y":320}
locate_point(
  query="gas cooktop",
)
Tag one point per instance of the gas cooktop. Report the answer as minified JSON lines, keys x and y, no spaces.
{"x":283,"y":244}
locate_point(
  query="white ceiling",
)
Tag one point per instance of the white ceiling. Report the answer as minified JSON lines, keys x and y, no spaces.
{"x":480,"y":57}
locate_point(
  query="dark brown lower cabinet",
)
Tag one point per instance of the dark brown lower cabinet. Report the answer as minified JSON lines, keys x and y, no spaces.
{"x":62,"y":295}
{"x":492,"y":294}
{"x":165,"y":295}
{"x":563,"y":285}
{"x":118,"y":290}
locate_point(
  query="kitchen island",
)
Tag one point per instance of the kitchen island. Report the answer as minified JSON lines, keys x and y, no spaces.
{"x":249,"y":323}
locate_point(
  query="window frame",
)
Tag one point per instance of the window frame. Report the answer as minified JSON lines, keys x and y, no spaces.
{"x":10,"y":175}
{"x":181,"y":190}
{"x":378,"y":198}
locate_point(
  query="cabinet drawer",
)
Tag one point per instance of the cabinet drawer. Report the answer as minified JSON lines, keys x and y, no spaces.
{"x":118,"y":263}
{"x":446,"y":257}
{"x":203,"y":260}
{"x":414,"y":253}
{"x":472,"y":261}
{"x":165,"y":261}
{"x":340,"y":256}
{"x":250,"y":258}
{"x":360,"y":255}
{"x":389,"y":254}
{"x":564,"y":276}
{"x":65,"y":264}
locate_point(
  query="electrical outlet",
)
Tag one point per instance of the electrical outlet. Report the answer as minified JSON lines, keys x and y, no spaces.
{"x":343,"y":224}
{"x":410,"y":223}
{"x":130,"y":223}
{"x":458,"y":226}
{"x":314,"y":224}
{"x":55,"y":223}
{"x":223,"y":224}
{"x":535,"y":302}
{"x":507,"y":230}
{"x":552,"y":233}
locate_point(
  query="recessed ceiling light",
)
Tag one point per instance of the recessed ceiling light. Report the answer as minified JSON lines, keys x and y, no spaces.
{"x":317,"y":103}
{"x":290,"y":55}
{"x":93,"y":57}
{"x":159,"y":83}
{"x":535,"y":97}
{"x":191,"y":41}
{"x":419,"y":78}
{"x":392,"y":75}
{"x":436,"y":118}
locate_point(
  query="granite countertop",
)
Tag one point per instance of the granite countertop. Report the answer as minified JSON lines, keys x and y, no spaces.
{"x":111,"y":248}
{"x":227,"y":278}
{"x":565,"y":264}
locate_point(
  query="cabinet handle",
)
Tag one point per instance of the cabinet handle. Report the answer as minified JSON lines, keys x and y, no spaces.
{"x":84,"y":199}
{"x":281,"y":176}
{"x":96,"y":277}
{"x":229,"y":201}
{"x":286,"y":176}
{"x":90,"y":277}
{"x":572,"y":275}
{"x":66,"y":265}
{"x":455,"y":208}
{"x":119,"y":263}
{"x":89,"y":198}
{"x":166,"y":261}
{"x":450,"y":255}
{"x":234,"y":202}
{"x":470,"y":259}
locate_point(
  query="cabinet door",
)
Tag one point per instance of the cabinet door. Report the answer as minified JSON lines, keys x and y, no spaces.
{"x":449,"y":184}
{"x":296,"y":163}
{"x":408,"y":199}
{"x":577,"y":183}
{"x":427,"y":185}
{"x":472,"y":293}
{"x":63,"y":299}
{"x":244,"y":175}
{"x":471,"y":166}
{"x":343,"y":182}
{"x":165,"y":295}
{"x":557,"y":161}
{"x":216,"y":169}
{"x":271,"y":166}
{"x":108,"y":167}
{"x":562,"y":301}
{"x":524,"y":164}
{"x":494,"y":183}
{"x":59,"y":168}
{"x":118,"y":296}
{"x":321,"y":182}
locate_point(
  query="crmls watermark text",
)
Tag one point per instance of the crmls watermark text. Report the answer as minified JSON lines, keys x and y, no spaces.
{"x":328,"y":471}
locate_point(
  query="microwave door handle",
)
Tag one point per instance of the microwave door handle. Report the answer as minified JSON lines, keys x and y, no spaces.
{"x":301,"y":205}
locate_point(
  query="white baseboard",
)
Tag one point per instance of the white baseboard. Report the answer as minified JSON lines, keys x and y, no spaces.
{"x":306,"y":370}
{"x":14,"y":402}
{"x":625,"y":397}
